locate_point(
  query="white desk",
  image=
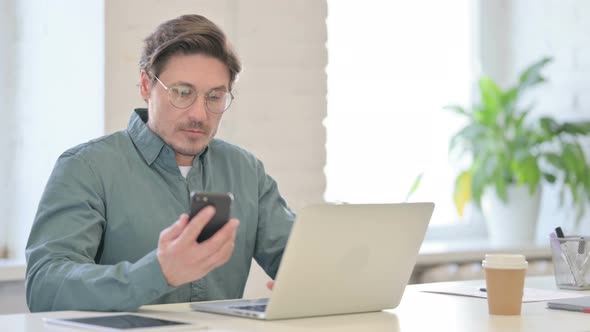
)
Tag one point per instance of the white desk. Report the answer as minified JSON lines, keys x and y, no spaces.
{"x":418,"y":312}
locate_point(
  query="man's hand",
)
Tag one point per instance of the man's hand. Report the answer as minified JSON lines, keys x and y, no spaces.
{"x":182,"y":259}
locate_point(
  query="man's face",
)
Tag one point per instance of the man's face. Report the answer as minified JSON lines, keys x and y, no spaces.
{"x":186,"y":130}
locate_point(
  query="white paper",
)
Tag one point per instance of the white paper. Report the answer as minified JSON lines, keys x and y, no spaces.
{"x":530,"y":294}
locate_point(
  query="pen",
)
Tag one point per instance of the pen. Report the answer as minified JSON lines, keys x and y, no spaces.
{"x":559,"y":232}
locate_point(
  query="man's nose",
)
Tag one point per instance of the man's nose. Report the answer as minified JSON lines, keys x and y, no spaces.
{"x":198,"y":109}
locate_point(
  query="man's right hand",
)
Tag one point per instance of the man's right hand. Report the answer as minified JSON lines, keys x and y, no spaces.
{"x":182,"y":259}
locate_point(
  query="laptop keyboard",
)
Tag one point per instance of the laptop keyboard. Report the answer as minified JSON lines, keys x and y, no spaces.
{"x":257,"y":307}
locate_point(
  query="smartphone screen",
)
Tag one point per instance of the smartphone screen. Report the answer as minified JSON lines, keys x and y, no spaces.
{"x":222,"y":204}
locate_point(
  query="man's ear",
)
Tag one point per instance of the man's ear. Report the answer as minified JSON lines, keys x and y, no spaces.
{"x":144,"y":85}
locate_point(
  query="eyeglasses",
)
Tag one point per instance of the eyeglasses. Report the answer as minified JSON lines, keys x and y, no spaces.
{"x":183,"y":96}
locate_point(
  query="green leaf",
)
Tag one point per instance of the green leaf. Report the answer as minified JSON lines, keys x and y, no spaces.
{"x":549,"y":177}
{"x":548,"y":125}
{"x":549,"y":130}
{"x":501,"y":189}
{"x":482,"y":174}
{"x":527,"y":171}
{"x":572,"y":185}
{"x":581,"y":168}
{"x":491,"y":98}
{"x":415,"y":185}
{"x":510,"y":97}
{"x":532,"y":76}
{"x":533,"y":180}
{"x":469,"y":134}
{"x":570,"y":160}
{"x":582,"y":128}
{"x":581,"y":174}
{"x":554,"y":159}
{"x":485,"y":117}
{"x":457,"y":109}
{"x":520,"y":119}
{"x":462,"y":193}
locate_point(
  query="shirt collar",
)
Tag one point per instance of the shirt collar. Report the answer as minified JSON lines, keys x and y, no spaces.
{"x":146,"y":141}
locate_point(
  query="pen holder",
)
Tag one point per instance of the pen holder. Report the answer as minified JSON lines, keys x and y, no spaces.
{"x":571,"y":261}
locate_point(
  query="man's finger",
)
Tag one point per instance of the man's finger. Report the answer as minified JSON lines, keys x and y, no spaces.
{"x":196,"y":225}
{"x":174,"y":230}
{"x":219,"y":239}
{"x":221,"y":256}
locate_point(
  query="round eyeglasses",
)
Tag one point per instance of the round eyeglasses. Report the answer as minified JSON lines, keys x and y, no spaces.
{"x":183,"y":96}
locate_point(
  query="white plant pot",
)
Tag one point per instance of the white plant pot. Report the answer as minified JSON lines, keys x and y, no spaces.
{"x":512,"y":223}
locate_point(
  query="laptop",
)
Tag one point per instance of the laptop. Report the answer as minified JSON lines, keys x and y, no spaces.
{"x":340,"y":259}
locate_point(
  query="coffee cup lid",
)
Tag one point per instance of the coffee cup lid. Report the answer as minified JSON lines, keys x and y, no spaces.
{"x":504,"y":261}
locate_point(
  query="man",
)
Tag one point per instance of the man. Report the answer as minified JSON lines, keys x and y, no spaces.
{"x":102,"y":238}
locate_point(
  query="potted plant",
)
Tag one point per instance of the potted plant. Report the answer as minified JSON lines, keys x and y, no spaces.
{"x":512,"y":153}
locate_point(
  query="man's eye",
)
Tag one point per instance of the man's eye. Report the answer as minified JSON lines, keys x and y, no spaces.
{"x":181,"y":91}
{"x":216,"y":95}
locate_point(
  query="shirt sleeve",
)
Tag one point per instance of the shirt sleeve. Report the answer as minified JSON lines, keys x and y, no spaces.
{"x":65,"y":241}
{"x":275,"y":220}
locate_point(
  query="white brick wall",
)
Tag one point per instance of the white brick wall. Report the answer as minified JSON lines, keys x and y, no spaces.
{"x":563,"y":35}
{"x":280,"y":96}
{"x":519,"y":32}
{"x":282,"y":93}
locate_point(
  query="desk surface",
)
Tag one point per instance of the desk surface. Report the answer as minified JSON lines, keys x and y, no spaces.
{"x":418,"y":312}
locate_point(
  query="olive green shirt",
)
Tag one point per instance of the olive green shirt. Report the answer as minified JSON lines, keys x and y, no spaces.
{"x":93,"y":242}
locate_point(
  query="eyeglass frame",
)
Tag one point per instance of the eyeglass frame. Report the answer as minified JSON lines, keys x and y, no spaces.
{"x":197,"y":97}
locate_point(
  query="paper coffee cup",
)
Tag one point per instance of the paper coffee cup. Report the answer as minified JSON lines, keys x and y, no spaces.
{"x":505,"y":283}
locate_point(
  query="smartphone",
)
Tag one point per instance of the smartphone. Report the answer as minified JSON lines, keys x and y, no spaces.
{"x":222,"y":204}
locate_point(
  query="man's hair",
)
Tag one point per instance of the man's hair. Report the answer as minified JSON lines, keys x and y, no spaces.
{"x":188,"y":34}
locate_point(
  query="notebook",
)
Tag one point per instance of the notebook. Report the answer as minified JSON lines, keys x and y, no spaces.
{"x":340,"y":259}
{"x":581,"y":304}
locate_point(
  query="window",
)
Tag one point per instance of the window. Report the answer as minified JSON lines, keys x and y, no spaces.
{"x":7,"y":143}
{"x":392,"y":67}
{"x":52,"y":99}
